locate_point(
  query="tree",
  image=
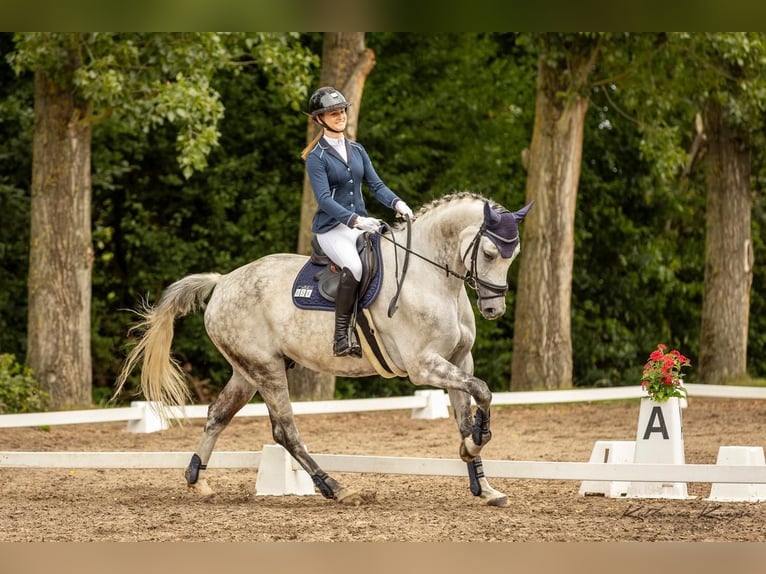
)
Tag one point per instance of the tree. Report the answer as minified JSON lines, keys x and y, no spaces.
{"x":61,"y":253}
{"x":718,"y":78}
{"x":728,"y":252}
{"x":733,"y":114}
{"x":146,"y":80}
{"x":346,"y":63}
{"x":542,"y":345}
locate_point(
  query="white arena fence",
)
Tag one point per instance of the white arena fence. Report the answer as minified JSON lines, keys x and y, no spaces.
{"x":540,"y":470}
{"x":426,"y":404}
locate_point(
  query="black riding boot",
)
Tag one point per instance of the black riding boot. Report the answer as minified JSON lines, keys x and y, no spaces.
{"x":345,"y":300}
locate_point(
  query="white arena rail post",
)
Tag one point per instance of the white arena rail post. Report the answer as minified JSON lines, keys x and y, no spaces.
{"x":151,"y":421}
{"x":731,"y":492}
{"x":609,"y":452}
{"x":436,"y":405}
{"x":277,"y":477}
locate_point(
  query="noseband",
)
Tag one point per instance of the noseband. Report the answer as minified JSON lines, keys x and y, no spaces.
{"x":472,"y":278}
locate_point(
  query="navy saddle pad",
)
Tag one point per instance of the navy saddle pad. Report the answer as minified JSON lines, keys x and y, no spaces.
{"x":306,"y":294}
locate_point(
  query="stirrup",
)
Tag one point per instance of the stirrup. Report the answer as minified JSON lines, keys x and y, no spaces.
{"x":349,"y":349}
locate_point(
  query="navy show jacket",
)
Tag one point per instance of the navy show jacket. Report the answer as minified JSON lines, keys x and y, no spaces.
{"x":337,"y":185}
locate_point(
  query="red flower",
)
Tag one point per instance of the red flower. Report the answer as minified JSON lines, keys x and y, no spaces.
{"x":662,"y":376}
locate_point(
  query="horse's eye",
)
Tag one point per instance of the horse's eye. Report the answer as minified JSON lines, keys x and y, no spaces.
{"x":489,"y":255}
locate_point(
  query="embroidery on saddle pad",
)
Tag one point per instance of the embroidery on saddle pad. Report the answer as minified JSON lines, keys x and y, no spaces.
{"x":305,"y":290}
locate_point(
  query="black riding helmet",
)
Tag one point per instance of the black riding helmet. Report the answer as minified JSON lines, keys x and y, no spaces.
{"x":326,"y":99}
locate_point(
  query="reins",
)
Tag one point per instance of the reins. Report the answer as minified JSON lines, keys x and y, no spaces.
{"x":400,"y":280}
{"x":424,"y":258}
{"x":471,"y":277}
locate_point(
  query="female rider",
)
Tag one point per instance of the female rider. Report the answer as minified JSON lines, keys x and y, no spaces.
{"x":336,"y":168}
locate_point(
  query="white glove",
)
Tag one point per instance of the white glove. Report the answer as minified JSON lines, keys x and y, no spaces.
{"x":403,"y":209}
{"x":367,"y":224}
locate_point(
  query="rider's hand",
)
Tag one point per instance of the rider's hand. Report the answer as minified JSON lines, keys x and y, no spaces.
{"x":403,"y":209}
{"x":367,"y":224}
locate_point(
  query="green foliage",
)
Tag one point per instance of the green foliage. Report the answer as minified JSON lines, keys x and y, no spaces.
{"x":756,"y":342}
{"x":147,"y":79}
{"x":19,"y":390}
{"x":154,"y":227}
{"x":460,"y":126}
{"x":456,"y":117}
{"x":16,"y":122}
{"x":639,"y":256}
{"x":370,"y":387}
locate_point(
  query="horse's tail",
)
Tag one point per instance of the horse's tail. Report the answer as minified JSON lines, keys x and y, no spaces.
{"x":162,"y":379}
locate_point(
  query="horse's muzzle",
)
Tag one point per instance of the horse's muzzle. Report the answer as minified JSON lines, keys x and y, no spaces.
{"x":491,"y":298}
{"x":492,"y":307}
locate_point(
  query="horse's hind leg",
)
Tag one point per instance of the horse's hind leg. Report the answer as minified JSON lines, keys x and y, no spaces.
{"x":236,"y":394}
{"x":275,"y":394}
{"x":461,"y":404}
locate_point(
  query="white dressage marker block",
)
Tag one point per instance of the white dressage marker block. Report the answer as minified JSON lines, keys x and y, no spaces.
{"x":659,"y":440}
{"x":436,"y":405}
{"x":276,"y":476}
{"x":731,"y":492}
{"x":609,"y":452}
{"x":152,"y":421}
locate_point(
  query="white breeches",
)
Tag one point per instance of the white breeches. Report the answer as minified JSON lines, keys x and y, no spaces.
{"x":339,"y":244}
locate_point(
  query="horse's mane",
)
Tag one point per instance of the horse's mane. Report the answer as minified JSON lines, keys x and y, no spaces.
{"x":439,"y":201}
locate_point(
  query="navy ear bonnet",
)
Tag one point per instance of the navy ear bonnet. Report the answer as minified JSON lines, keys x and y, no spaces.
{"x":502,"y":227}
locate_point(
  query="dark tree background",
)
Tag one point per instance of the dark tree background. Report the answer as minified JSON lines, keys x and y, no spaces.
{"x":440,"y":113}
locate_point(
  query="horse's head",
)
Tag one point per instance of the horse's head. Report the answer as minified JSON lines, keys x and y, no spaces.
{"x":492,"y":251}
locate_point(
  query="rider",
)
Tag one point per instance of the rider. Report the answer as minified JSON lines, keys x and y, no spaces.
{"x":336,"y":168}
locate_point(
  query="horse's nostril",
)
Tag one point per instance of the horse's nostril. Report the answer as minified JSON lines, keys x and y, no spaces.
{"x":492,"y":312}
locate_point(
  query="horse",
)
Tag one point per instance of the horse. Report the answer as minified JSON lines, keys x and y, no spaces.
{"x":459,"y":240}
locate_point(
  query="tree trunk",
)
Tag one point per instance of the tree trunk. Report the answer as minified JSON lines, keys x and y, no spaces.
{"x":346,"y":63}
{"x":61,"y":252}
{"x":728,"y":253}
{"x":542,"y":346}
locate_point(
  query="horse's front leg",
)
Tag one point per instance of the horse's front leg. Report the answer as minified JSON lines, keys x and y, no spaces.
{"x":461,"y":404}
{"x":236,"y":394}
{"x":438,"y":372}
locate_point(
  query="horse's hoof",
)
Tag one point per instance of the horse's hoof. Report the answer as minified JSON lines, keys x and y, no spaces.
{"x":350,"y":497}
{"x":209,"y":499}
{"x":203,"y":490}
{"x":499,"y":502}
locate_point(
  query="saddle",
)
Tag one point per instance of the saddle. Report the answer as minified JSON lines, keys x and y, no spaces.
{"x":329,"y":277}
{"x":316,"y":284}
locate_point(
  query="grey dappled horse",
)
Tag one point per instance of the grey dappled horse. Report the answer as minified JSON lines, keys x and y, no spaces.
{"x":251,"y":318}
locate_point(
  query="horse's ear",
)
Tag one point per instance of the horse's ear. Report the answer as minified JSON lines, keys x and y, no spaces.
{"x":491,"y":216}
{"x":522,"y":213}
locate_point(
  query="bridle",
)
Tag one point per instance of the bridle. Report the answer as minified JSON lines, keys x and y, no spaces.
{"x":470,"y":277}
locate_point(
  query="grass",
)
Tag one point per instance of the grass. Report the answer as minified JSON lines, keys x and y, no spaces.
{"x":746,"y":382}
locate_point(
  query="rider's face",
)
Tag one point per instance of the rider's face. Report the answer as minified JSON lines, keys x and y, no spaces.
{"x":336,"y":119}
